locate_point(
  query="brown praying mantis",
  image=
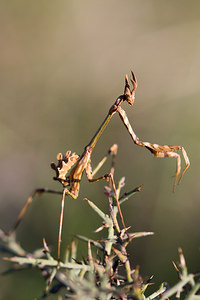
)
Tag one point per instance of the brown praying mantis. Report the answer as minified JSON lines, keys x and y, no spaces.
{"x":76,"y":165}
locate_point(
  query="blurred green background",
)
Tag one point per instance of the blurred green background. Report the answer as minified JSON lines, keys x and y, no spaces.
{"x":62,"y":66}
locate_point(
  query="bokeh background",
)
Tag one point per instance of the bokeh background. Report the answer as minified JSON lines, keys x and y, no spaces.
{"x":62,"y":66}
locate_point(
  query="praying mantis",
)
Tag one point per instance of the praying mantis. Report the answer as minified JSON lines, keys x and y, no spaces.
{"x":75,"y":165}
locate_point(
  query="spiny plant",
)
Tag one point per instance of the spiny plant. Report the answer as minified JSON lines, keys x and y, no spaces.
{"x":105,"y":271}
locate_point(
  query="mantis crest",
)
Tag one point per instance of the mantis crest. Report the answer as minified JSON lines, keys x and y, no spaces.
{"x":70,"y":167}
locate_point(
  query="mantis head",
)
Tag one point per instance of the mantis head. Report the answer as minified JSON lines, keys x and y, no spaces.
{"x":129,"y":95}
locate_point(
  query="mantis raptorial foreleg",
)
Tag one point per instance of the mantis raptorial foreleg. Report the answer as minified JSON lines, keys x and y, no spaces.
{"x":158,"y":150}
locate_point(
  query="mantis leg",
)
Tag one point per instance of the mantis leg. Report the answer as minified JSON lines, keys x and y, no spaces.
{"x":23,"y":211}
{"x":157,"y":150}
{"x":187,"y":162}
{"x":127,"y":124}
{"x":178,"y":163}
{"x":64,"y":193}
{"x":113,"y":152}
{"x":40,"y":191}
{"x":61,"y":222}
